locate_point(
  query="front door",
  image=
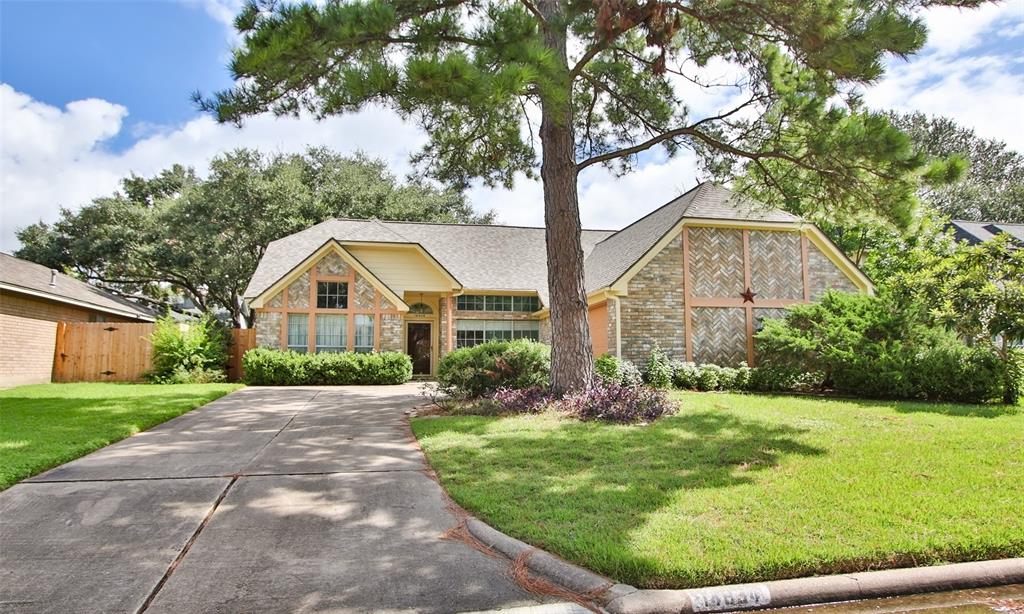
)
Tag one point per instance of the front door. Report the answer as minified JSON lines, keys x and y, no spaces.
{"x":418,"y":344}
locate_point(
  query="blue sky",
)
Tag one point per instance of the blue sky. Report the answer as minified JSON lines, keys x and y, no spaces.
{"x":93,"y":90}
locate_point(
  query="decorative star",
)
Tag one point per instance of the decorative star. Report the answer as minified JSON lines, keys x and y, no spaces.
{"x":748,"y":295}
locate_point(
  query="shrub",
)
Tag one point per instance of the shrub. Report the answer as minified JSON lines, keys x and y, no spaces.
{"x":684,"y":375}
{"x":630,"y":374}
{"x":870,"y":346}
{"x":522,"y":400}
{"x":773,"y":379}
{"x":955,"y":372}
{"x":707,"y":377}
{"x":618,"y":403}
{"x":742,"y":379}
{"x":608,"y":368}
{"x":188,"y":353}
{"x":482,"y":369}
{"x":1013,"y":376}
{"x":267,"y":367}
{"x":658,"y":370}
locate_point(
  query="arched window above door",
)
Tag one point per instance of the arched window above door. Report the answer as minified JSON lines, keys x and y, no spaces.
{"x":420,"y":309}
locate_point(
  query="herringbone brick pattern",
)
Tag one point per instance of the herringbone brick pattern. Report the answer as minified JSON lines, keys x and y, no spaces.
{"x":332,"y":264}
{"x":716,"y":261}
{"x":775,"y":268}
{"x":298,"y":292}
{"x":719,"y":335}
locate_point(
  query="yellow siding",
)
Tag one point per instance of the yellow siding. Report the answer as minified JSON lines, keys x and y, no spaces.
{"x":402,"y":269}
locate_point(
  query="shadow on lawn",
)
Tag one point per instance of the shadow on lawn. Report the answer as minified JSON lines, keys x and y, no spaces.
{"x":585,"y":475}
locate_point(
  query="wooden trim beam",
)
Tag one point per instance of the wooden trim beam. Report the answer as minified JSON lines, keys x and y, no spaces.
{"x":804,"y":266}
{"x":687,"y":298}
{"x":748,"y":307}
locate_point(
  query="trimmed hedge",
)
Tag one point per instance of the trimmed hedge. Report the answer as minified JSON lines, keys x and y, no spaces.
{"x":267,"y":367}
{"x":482,"y":369}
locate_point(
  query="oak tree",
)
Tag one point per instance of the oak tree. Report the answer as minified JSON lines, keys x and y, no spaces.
{"x":608,"y":80}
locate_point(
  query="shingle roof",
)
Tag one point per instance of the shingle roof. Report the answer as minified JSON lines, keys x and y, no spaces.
{"x":491,"y":257}
{"x":21,"y":275}
{"x":979,"y":232}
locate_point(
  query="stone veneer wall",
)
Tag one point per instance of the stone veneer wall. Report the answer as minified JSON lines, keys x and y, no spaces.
{"x":825,"y":275}
{"x":390,"y":332}
{"x":268,"y":329}
{"x":653,"y":310}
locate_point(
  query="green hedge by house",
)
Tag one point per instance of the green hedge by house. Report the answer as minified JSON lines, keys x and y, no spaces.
{"x":266,"y":367}
{"x":482,"y":369}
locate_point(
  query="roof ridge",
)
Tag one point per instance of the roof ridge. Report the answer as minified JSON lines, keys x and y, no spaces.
{"x":694,"y":188}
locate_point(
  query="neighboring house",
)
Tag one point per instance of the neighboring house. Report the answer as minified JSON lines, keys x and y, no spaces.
{"x":693,"y":276}
{"x":33,"y":298}
{"x":979,"y":232}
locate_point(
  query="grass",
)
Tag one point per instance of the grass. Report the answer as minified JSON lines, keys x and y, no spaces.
{"x":46,"y":425}
{"x":741,"y":488}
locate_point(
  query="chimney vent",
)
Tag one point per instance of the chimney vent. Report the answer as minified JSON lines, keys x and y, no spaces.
{"x":53,"y":277}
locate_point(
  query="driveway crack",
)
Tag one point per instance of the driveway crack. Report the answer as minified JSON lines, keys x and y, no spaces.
{"x":184,"y":551}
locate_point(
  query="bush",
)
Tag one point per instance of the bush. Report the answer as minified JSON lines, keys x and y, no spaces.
{"x":869,"y":346}
{"x":188,"y":353}
{"x":1013,"y":376}
{"x":618,"y":403}
{"x":608,"y":368}
{"x":267,"y":367}
{"x":522,"y":400}
{"x":684,"y":375}
{"x":630,"y":374}
{"x":658,"y":370}
{"x":708,"y":377}
{"x":482,"y":369}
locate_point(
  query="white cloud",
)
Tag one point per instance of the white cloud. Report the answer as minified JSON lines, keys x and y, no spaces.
{"x":52,"y":157}
{"x":952,"y":30}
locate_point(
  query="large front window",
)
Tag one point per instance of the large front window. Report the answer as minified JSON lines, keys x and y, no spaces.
{"x":331,"y":295}
{"x":331,"y":333}
{"x":298,"y":333}
{"x":364,"y":333}
{"x":473,"y":332}
{"x":487,"y":302}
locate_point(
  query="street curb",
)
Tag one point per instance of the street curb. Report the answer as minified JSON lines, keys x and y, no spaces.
{"x":824,"y":589}
{"x":571,"y":577}
{"x":625,"y":599}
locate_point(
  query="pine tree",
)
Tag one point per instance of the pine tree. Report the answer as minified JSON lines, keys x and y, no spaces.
{"x":606,"y":78}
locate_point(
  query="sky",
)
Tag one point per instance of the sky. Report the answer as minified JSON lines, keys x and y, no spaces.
{"x":93,"y":90}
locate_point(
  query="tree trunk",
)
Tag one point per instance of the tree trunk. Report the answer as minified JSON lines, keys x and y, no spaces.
{"x":572,"y":358}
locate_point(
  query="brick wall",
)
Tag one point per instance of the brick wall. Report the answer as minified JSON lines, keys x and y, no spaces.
{"x":391,"y":332}
{"x":653,"y":310}
{"x":26,"y":353}
{"x":53,"y":311}
{"x":824,"y":275}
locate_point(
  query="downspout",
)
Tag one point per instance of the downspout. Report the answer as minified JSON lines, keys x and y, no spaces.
{"x":618,"y":329}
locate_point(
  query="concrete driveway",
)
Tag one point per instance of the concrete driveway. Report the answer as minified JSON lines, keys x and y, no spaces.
{"x":267,"y":500}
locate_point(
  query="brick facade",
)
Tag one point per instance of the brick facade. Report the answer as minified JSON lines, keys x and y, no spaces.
{"x":28,"y":334}
{"x":391,"y":332}
{"x":721,"y":259}
{"x":652,"y":312}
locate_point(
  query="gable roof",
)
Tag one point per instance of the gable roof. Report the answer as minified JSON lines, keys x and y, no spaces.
{"x":979,"y":232}
{"x":492,"y":257}
{"x":24,"y":277}
{"x":615,"y":255}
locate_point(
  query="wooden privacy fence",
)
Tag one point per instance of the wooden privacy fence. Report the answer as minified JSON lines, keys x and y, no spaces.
{"x":121,"y":352}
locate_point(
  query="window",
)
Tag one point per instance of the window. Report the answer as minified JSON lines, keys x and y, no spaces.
{"x":474,"y":332}
{"x":469,"y":302}
{"x":420,"y":309}
{"x":331,"y":295}
{"x":331,"y":333}
{"x":364,"y":333}
{"x":298,"y":335}
{"x":477,"y":302}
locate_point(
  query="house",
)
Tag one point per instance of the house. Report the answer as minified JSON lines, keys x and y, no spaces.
{"x":694,"y":276}
{"x":33,"y":298}
{"x":978,"y":232}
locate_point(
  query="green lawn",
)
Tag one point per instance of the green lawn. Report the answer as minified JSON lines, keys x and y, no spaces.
{"x":49,"y":424}
{"x":740,"y":488}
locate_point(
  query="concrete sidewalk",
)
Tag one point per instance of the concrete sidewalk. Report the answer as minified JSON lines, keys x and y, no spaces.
{"x":269,"y":500}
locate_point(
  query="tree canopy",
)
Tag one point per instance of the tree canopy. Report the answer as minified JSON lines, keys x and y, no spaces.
{"x":992,"y":188}
{"x":202,"y":237}
{"x":608,"y":80}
